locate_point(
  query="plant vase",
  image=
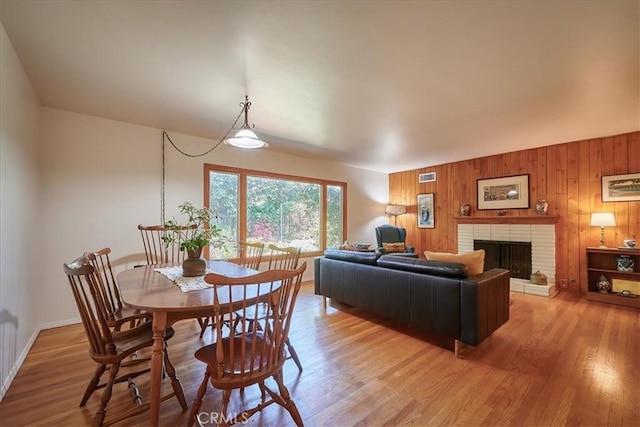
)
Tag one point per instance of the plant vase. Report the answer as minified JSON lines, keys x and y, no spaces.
{"x":194,"y":265}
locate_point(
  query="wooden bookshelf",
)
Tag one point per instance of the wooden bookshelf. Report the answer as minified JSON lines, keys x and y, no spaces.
{"x":602,"y":262}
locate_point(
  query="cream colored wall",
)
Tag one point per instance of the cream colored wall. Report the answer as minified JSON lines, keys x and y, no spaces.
{"x":19,"y":209}
{"x":101,"y":178}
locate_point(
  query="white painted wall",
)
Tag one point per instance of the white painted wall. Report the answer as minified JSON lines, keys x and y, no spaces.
{"x":101,"y":178}
{"x":20,"y":228}
{"x":71,"y":183}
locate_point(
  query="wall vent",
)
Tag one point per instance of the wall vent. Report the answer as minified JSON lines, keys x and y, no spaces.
{"x":427,"y":177}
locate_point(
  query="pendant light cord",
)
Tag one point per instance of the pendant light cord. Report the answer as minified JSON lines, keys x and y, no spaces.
{"x":165,"y":137}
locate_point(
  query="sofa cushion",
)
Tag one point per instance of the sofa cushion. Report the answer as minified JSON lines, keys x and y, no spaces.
{"x":394,"y":247}
{"x":437,"y":268}
{"x":473,"y":260}
{"x":368,"y":258}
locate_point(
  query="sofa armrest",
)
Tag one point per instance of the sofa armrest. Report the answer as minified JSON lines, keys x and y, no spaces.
{"x":484,"y":304}
{"x":411,"y":249}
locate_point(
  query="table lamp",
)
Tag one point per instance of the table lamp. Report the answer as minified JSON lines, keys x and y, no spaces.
{"x":602,"y":220}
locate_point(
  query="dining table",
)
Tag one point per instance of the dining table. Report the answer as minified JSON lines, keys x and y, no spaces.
{"x":146,"y":289}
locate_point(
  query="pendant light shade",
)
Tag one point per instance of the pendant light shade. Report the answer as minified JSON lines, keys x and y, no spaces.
{"x":246,"y":137}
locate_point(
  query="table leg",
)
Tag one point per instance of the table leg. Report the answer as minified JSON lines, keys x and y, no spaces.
{"x":157,"y":357}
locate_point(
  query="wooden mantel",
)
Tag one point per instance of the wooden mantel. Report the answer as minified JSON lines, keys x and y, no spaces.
{"x":537,"y":219}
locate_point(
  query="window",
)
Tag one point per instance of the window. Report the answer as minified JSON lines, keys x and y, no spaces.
{"x":274,"y":209}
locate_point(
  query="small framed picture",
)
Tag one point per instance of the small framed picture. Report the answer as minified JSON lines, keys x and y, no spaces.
{"x":509,"y":192}
{"x":621,"y":188}
{"x":426,"y":211}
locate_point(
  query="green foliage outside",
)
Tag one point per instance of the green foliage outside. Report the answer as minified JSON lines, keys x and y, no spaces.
{"x":198,"y":230}
{"x":282,"y":212}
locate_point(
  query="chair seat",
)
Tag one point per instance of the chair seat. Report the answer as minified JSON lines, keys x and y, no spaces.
{"x":129,"y":341}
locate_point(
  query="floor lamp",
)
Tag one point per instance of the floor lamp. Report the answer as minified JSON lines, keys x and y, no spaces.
{"x":395,"y":210}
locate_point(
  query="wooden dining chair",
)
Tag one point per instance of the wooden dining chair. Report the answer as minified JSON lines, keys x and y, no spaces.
{"x":155,"y":248}
{"x":250,"y":256}
{"x":239,"y":359}
{"x":109,"y":348}
{"x":283,"y":258}
{"x":117,"y":314}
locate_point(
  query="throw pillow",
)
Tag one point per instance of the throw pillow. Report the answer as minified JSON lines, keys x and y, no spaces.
{"x":394,"y":247}
{"x":473,"y":260}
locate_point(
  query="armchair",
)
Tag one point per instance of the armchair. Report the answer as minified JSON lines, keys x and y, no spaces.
{"x":388,"y":233}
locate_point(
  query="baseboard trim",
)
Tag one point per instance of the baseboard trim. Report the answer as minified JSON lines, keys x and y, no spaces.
{"x":16,"y":367}
{"x":60,"y":323}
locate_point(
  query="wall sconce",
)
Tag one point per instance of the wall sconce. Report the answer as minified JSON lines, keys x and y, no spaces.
{"x":395,"y":210}
{"x":602,"y":220}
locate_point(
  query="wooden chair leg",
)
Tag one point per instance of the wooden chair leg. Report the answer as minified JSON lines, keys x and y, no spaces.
{"x":226,"y":394}
{"x":294,"y":355}
{"x":98,"y":420}
{"x":204,"y":324}
{"x":289,"y":405}
{"x":93,"y":384}
{"x":197,"y":403}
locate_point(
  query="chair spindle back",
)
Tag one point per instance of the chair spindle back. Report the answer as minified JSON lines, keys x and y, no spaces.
{"x":155,"y":248}
{"x":91,"y":304}
{"x":283,"y":258}
{"x":251,"y":254}
{"x":252,"y":353}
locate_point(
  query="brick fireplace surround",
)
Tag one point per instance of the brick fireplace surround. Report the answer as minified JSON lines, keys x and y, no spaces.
{"x":539,"y":230}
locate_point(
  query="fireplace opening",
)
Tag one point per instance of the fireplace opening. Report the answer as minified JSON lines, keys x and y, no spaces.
{"x":514,"y":256}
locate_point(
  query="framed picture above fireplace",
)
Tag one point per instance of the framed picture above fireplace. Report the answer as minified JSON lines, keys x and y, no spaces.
{"x":509,"y":192}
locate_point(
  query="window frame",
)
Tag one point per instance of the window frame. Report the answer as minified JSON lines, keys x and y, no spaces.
{"x":242,"y":195}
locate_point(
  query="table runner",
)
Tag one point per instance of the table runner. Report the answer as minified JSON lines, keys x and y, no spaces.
{"x":186,"y":284}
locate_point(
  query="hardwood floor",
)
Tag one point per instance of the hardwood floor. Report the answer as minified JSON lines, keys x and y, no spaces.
{"x":559,"y":361}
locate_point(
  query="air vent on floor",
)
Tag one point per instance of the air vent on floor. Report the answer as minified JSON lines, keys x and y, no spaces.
{"x":427,"y":177}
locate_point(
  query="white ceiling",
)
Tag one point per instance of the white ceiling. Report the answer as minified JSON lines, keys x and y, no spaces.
{"x":381,"y":85}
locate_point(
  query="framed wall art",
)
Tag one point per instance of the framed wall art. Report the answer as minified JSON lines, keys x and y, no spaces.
{"x":426,"y":211}
{"x":621,"y":188}
{"x":509,"y":192}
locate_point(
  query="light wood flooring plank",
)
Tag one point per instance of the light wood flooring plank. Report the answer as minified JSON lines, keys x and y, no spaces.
{"x":558,"y":361}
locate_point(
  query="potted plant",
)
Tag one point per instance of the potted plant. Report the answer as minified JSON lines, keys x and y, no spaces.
{"x":197,"y":233}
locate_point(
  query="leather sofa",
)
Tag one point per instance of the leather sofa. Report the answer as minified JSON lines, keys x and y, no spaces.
{"x":433,"y":296}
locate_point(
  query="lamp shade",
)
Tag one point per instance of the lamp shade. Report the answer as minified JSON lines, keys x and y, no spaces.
{"x":603,"y":219}
{"x":395,"y":210}
{"x":246,"y":138}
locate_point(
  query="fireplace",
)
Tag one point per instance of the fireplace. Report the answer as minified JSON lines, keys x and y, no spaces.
{"x":514,"y":256}
{"x":538,"y":233}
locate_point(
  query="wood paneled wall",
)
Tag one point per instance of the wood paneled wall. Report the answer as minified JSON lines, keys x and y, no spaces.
{"x":567,"y":175}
